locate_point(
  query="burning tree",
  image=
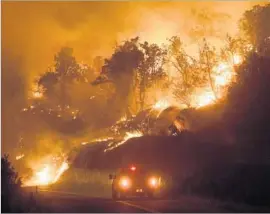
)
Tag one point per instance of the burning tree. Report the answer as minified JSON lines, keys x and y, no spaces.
{"x":150,"y":70}
{"x":187,"y":68}
{"x":132,"y":69}
{"x":66,"y":70}
{"x":235,"y":50}
{"x":208,"y":59}
{"x":119,"y":69}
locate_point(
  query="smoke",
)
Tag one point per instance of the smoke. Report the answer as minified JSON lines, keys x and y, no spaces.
{"x":33,"y":32}
{"x":37,"y":30}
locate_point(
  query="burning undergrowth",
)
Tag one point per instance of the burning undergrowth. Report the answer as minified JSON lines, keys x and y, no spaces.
{"x":159,"y":121}
{"x":47,"y":170}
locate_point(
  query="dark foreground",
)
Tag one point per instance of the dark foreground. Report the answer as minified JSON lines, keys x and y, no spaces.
{"x":61,"y":202}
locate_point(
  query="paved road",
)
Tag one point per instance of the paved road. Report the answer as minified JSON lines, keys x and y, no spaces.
{"x":71,"y":203}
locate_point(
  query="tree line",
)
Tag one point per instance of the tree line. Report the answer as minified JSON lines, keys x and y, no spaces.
{"x":136,"y":66}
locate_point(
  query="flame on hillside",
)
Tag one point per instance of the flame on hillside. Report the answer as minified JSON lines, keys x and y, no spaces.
{"x":37,"y":91}
{"x":161,"y":104}
{"x":122,"y":119}
{"x":127,"y":136}
{"x":47,"y":173}
{"x":204,"y":99}
{"x":222,"y":76}
{"x":18,"y":157}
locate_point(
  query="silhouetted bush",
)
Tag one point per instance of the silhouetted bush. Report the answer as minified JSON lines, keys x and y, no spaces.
{"x":247,"y":183}
{"x":11,"y":187}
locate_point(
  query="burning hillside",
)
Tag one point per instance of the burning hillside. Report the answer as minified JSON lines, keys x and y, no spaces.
{"x":160,"y":119}
{"x":153,"y":82}
{"x":45,"y":171}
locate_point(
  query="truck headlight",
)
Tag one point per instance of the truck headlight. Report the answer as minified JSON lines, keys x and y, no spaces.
{"x":153,"y":182}
{"x":125,"y":182}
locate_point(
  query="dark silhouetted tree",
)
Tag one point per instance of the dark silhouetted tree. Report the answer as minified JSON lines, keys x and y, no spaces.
{"x":247,"y":112}
{"x":255,"y":26}
{"x":66,"y":71}
{"x":48,"y":80}
{"x":120,"y":68}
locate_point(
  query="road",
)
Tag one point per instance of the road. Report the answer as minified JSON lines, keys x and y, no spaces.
{"x":61,"y":202}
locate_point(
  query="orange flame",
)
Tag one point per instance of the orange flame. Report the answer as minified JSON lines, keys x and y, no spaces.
{"x":46,"y":174}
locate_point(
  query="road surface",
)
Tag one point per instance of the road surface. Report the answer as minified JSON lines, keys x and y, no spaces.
{"x":62,"y":202}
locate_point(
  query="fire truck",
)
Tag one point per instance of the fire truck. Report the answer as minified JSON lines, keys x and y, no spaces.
{"x":134,"y":181}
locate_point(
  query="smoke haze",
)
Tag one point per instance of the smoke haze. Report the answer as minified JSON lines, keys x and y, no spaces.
{"x":33,"y":32}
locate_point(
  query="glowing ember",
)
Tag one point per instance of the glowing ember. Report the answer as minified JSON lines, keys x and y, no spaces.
{"x":132,"y":135}
{"x":103,"y":139}
{"x":223,"y":75}
{"x":237,"y":59}
{"x":84,"y":143}
{"x":37,"y":91}
{"x":205,"y":99}
{"x":128,"y":136}
{"x":161,"y":105}
{"x":18,"y":157}
{"x":37,"y":94}
{"x":122,"y":119}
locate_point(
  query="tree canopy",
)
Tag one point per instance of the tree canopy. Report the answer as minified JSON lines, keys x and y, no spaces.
{"x":255,"y":26}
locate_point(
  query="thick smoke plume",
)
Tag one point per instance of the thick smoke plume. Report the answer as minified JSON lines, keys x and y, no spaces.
{"x":33,"y":32}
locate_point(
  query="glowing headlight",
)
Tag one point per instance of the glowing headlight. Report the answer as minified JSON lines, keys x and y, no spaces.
{"x":153,"y":182}
{"x":125,"y":182}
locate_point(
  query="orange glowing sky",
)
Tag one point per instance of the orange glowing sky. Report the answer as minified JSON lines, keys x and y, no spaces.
{"x":35,"y":31}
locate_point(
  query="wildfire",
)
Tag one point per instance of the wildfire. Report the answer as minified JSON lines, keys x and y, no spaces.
{"x":47,"y":173}
{"x":128,"y":136}
{"x":84,"y":143}
{"x":44,"y":176}
{"x":103,"y":139}
{"x":122,"y":119}
{"x":223,"y":75}
{"x":132,"y":135}
{"x":237,"y":59}
{"x":161,"y":105}
{"x":205,"y":99}
{"x":18,"y":157}
{"x":37,"y":91}
{"x":64,"y":166}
